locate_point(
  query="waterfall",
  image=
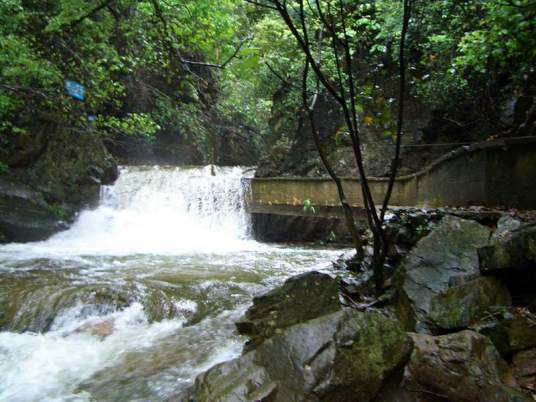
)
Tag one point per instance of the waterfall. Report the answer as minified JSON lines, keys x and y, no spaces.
{"x":141,"y":294}
{"x":162,"y":210}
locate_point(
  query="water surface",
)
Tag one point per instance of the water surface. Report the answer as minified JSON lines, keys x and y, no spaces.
{"x":141,"y":294}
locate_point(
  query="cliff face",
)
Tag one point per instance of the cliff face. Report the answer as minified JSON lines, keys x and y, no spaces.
{"x":428,"y":131}
{"x":301,"y":158}
{"x":52,"y":173}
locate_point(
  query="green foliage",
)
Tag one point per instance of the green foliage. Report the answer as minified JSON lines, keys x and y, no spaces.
{"x":57,"y":210}
{"x":308,"y":206}
{"x":466,"y":46}
{"x":502,"y":39}
{"x":457,"y":50}
{"x":121,"y":50}
{"x":138,"y":124}
{"x":332,"y":237}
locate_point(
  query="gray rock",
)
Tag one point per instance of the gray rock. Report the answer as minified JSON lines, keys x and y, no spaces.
{"x":53,"y":173}
{"x":462,"y":367}
{"x":301,"y":298}
{"x":524,"y":364}
{"x":24,"y":214}
{"x":504,"y":393}
{"x":506,"y":225}
{"x":445,"y":258}
{"x":510,"y":329}
{"x":343,"y":356}
{"x":460,"y":306}
{"x":516,"y":253}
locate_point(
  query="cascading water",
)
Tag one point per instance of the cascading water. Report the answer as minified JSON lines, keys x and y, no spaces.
{"x":140,"y":294}
{"x":162,"y":210}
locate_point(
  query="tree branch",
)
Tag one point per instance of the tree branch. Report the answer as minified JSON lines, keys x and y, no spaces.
{"x":90,"y":13}
{"x":256,"y":3}
{"x":401,"y":103}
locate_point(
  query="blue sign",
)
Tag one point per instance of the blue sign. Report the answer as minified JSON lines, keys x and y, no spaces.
{"x":75,"y":90}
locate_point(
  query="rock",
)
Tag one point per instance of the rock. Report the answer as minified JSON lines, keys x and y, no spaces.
{"x":524,"y":364}
{"x":101,"y":329}
{"x":73,"y":167}
{"x":343,"y":356}
{"x":53,"y":173}
{"x":445,"y":258}
{"x":506,"y":225}
{"x":503,"y":393}
{"x":237,"y":380}
{"x":460,"y":306}
{"x":24,"y":214}
{"x":510,"y":330}
{"x":463,"y":366}
{"x":516,"y":253}
{"x":300,"y":299}
{"x":394,"y":391}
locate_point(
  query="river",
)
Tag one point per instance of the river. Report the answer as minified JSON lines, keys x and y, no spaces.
{"x":141,"y":293}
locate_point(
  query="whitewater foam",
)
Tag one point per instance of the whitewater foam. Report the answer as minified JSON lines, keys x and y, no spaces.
{"x":158,"y":210}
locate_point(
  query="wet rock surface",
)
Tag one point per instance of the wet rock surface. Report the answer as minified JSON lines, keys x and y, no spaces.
{"x":53,"y":173}
{"x":341,"y":356}
{"x":461,"y":305}
{"x":524,"y":364}
{"x":518,"y":252}
{"x":445,"y":258}
{"x":24,"y":214}
{"x":510,"y":329}
{"x":455,"y":367}
{"x":300,"y":299}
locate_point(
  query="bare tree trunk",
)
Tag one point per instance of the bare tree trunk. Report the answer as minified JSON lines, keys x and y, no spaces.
{"x":347,"y":209}
{"x":345,"y":95}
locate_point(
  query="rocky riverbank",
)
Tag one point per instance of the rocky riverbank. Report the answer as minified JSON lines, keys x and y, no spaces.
{"x":52,"y":172}
{"x":457,"y":323}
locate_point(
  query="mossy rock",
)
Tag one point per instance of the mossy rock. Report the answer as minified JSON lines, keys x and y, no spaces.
{"x":301,"y":298}
{"x":514,"y":254}
{"x":446,"y":257}
{"x":462,"y":367}
{"x":510,"y":329}
{"x":462,"y":305}
{"x":342,"y":356}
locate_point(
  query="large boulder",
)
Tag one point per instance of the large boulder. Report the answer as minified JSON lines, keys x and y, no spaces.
{"x":462,"y":367}
{"x":514,"y":254}
{"x":24,"y":214}
{"x":301,"y":298}
{"x":53,"y":173}
{"x":339,"y":357}
{"x":460,"y":305}
{"x":506,"y":226}
{"x":524,"y":364}
{"x":441,"y":261}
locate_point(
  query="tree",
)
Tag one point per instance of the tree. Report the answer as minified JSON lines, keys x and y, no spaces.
{"x":313,"y":25}
{"x":171,"y":52}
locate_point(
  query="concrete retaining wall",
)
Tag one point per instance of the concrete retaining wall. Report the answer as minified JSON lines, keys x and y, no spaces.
{"x":493,"y":174}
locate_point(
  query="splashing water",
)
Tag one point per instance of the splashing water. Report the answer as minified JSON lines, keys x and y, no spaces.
{"x":161,"y":210}
{"x":141,"y":293}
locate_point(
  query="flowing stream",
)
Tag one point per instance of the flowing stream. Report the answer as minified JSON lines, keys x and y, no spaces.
{"x":140,"y":294}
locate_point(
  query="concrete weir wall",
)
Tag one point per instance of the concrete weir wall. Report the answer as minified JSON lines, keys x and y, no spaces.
{"x":500,"y":173}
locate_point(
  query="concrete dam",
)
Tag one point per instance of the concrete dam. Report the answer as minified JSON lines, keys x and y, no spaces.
{"x":495,"y":174}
